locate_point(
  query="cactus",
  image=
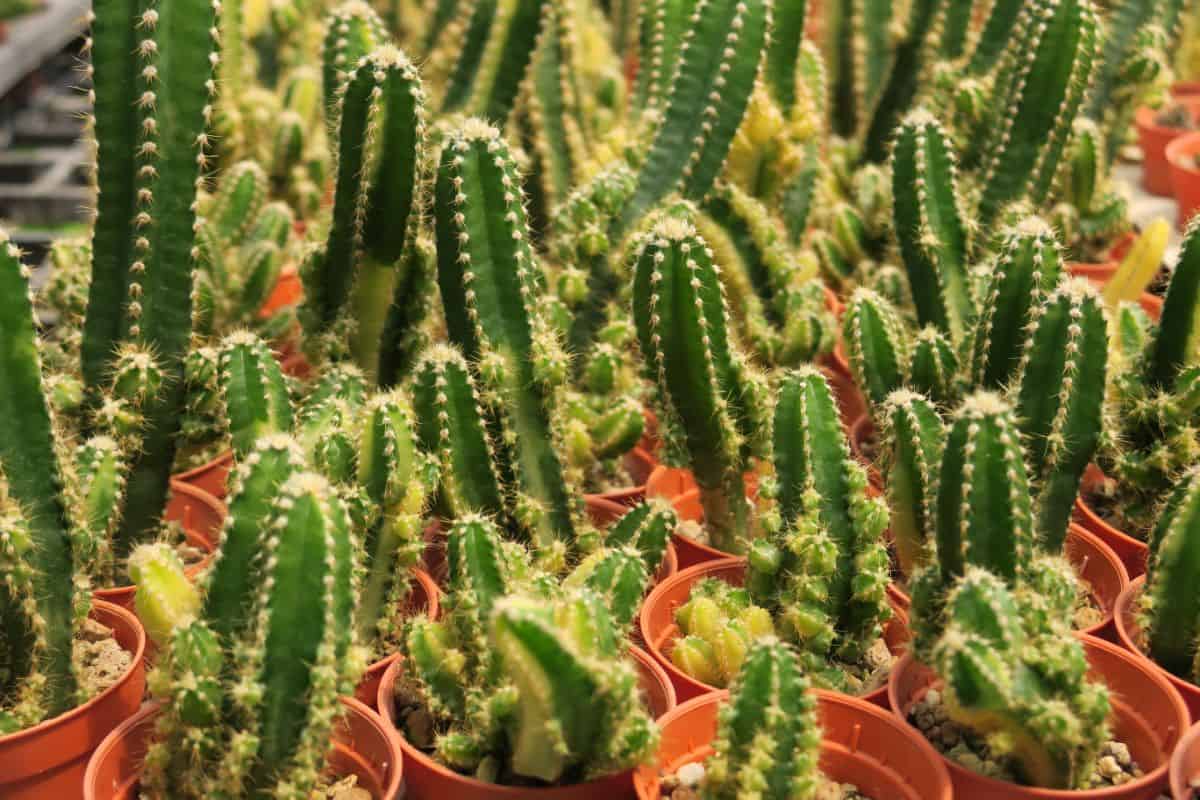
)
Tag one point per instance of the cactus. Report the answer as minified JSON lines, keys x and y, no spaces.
{"x":230,"y":722}
{"x":876,"y":344}
{"x":1153,"y":405}
{"x":502,"y":668}
{"x":825,"y":571}
{"x":929,"y":224}
{"x":914,"y":435}
{"x":719,"y":60}
{"x":254,"y":389}
{"x":680,"y":311}
{"x":719,"y":624}
{"x":933,"y":367}
{"x":618,"y":576}
{"x":1101,"y":212}
{"x":1170,"y":616}
{"x":352,"y":30}
{"x":1040,"y":87}
{"x":370,"y":261}
{"x":151,"y":126}
{"x":1020,"y":681}
{"x":768,"y":736}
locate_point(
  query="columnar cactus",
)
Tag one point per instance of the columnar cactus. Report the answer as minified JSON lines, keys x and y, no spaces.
{"x":1171,"y":617}
{"x":255,"y":391}
{"x":231,"y":721}
{"x":1155,"y":399}
{"x":914,"y":435}
{"x":352,"y":30}
{"x":150,"y":124}
{"x":680,"y":310}
{"x":1040,"y":87}
{"x":768,"y":735}
{"x":1020,"y":681}
{"x":824,"y":572}
{"x":876,"y":344}
{"x":371,"y":262}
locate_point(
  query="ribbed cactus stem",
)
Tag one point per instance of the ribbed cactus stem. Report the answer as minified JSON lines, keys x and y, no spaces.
{"x":240,"y":197}
{"x":31,"y":478}
{"x":719,"y":61}
{"x":876,"y":345}
{"x":679,"y":308}
{"x":490,"y":282}
{"x":768,"y":735}
{"x":619,"y":576}
{"x":933,"y":366}
{"x":166,"y":598}
{"x":1172,"y":613}
{"x":1059,"y":402}
{"x":647,"y":526}
{"x":1174,"y":346}
{"x":254,"y":389}
{"x":352,"y":29}
{"x":23,"y":688}
{"x":1041,"y":87}
{"x":914,"y":436}
{"x":662,"y":26}
{"x":1025,"y":271}
{"x":929,"y":223}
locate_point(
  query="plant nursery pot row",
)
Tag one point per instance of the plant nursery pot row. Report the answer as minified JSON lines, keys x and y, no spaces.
{"x":1153,"y":139}
{"x":656,"y":623}
{"x":426,"y":779}
{"x":362,"y":746}
{"x":1148,"y":715}
{"x":861,"y":744}
{"x":1129,"y":635}
{"x":48,"y":761}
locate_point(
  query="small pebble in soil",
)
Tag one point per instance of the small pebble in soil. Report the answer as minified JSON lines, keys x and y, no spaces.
{"x":684,"y":784}
{"x":1114,"y":764}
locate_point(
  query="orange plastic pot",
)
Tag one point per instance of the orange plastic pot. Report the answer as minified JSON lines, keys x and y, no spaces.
{"x":1153,"y":139}
{"x":656,"y":623}
{"x":288,"y":291}
{"x":1129,"y":634}
{"x":201,"y":516}
{"x":211,"y":477}
{"x":423,"y":598}
{"x":639,"y":463}
{"x":1185,"y":89}
{"x":426,"y":779}
{"x":48,"y":761}
{"x":860,"y":744}
{"x":1185,"y":765}
{"x":363,"y":746}
{"x":1147,"y":714}
{"x":1132,"y":552}
{"x":1185,"y":175}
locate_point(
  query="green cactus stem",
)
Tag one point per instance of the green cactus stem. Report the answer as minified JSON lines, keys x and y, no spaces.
{"x":876,"y":345}
{"x":913,"y":436}
{"x":1171,"y":614}
{"x":352,"y":30}
{"x":491,"y":54}
{"x":719,"y":623}
{"x":254,"y":389}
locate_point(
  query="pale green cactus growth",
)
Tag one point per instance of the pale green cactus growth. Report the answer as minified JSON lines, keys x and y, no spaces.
{"x":1020,"y":681}
{"x":876,"y":344}
{"x":97,"y":492}
{"x":369,"y":278}
{"x":231,"y":721}
{"x":1040,"y":87}
{"x":1171,"y":616}
{"x":255,"y":392}
{"x":680,"y":310}
{"x":1155,"y":401}
{"x":913,"y":437}
{"x":768,"y":736}
{"x":352,"y":30}
{"x":929,"y":224}
{"x":490,"y":284}
{"x":1059,"y":401}
{"x":825,"y":571}
{"x":719,"y":624}
{"x":166,"y":598}
{"x":1025,"y":270}
{"x":718,"y":64}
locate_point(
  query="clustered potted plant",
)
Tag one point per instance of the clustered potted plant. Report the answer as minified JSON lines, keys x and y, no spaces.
{"x":605,"y":400}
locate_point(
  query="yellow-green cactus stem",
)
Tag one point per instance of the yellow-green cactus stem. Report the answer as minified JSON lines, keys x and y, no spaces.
{"x":166,"y":598}
{"x":913,"y":437}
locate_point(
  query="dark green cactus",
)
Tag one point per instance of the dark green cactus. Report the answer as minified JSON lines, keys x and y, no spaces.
{"x":1171,"y":617}
{"x":768,"y":736}
{"x":255,"y":391}
{"x":876,"y":345}
{"x":352,"y":30}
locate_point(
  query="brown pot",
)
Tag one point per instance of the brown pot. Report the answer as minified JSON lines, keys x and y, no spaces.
{"x":639,"y":463}
{"x":1185,"y":765}
{"x":658,"y":629}
{"x":860,"y":744}
{"x":1153,"y":139}
{"x":211,"y":477}
{"x":47,"y":761}
{"x":201,"y":515}
{"x":1182,"y":89}
{"x":288,"y":291}
{"x":362,"y":746}
{"x":1147,"y":714}
{"x":860,"y":431}
{"x":1129,"y":634}
{"x":426,"y":779}
{"x":678,"y":487}
{"x":424,"y":598}
{"x":1185,"y":175}
{"x":1132,"y":552}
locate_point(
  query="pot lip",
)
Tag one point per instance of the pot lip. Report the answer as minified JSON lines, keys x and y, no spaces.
{"x":138,"y":653}
{"x":1147,"y":780}
{"x":1144,"y":117}
{"x":1175,"y":158}
{"x":220,"y":460}
{"x":1179,"y":779}
{"x":1122,"y":615}
{"x":899,"y":615}
{"x":387,"y":690}
{"x":828,"y":697}
{"x":153,"y":707}
{"x":1089,"y":514}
